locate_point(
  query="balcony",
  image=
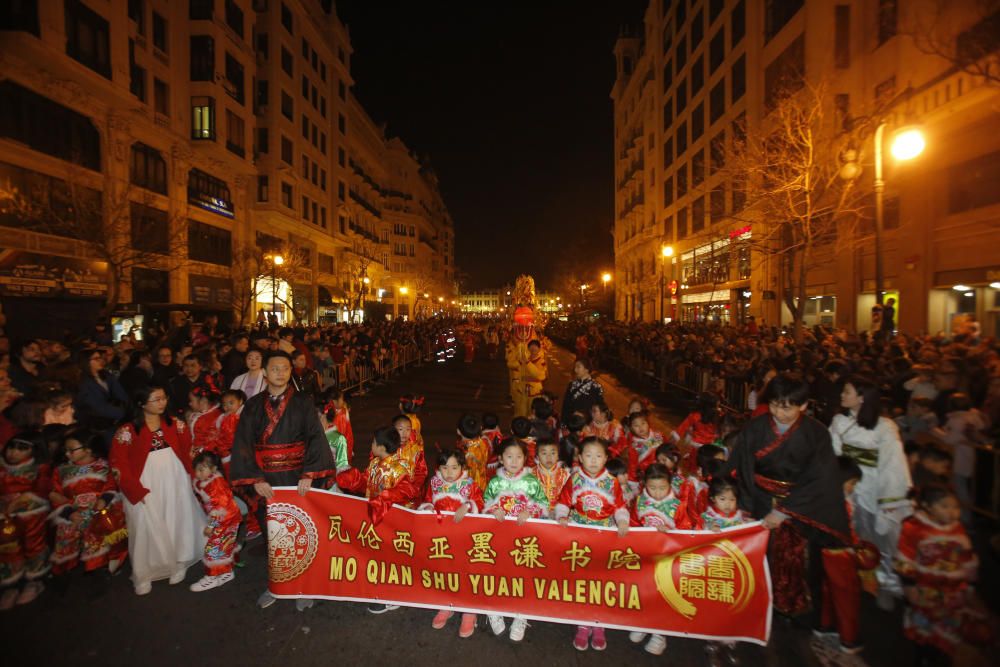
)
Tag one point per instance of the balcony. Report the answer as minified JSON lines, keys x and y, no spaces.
{"x":365,"y":204}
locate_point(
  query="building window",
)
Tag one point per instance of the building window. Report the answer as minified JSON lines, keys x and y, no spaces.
{"x":324,"y":262}
{"x":697,"y":75}
{"x":286,"y":62}
{"x":305,"y":127}
{"x":842,"y":36}
{"x":210,"y":193}
{"x":668,"y":115}
{"x":697,"y":168}
{"x":668,"y":76}
{"x":887,"y":20}
{"x":286,"y":18}
{"x":322,"y":143}
{"x":682,"y":223}
{"x":262,"y":45}
{"x":717,"y":49}
{"x":680,"y":98}
{"x":286,"y":195}
{"x":88,"y":38}
{"x":682,"y":138}
{"x":202,"y":118}
{"x":668,"y":152}
{"x":235,"y":79}
{"x":738,"y":24}
{"x":697,"y":122}
{"x":287,"y":106}
{"x":48,"y":127}
{"x":208,"y":243}
{"x":150,"y":229}
{"x":286,"y":150}
{"x":697,"y":29}
{"x":682,"y":180}
{"x":263,"y":190}
{"x":202,"y":58}
{"x":341,"y":157}
{"x":341,"y":123}
{"x":717,"y":100}
{"x":973,"y":184}
{"x":777,"y":13}
{"x":136,"y":14}
{"x":738,"y":79}
{"x":160,"y":33}
{"x":305,"y":167}
{"x":200,"y":10}
{"x":305,"y":208}
{"x":161,"y":97}
{"x":150,"y":286}
{"x":235,"y":134}
{"x":263,"y":140}
{"x":680,"y":55}
{"x":322,"y":107}
{"x":137,"y":75}
{"x":785,"y":74}
{"x":234,"y":17}
{"x":305,"y":86}
{"x":668,"y":191}
{"x":715,"y":8}
{"x":148,"y":169}
{"x":341,"y":191}
{"x":322,"y":72}
{"x":342,"y":90}
{"x":698,"y":215}
{"x":717,"y":152}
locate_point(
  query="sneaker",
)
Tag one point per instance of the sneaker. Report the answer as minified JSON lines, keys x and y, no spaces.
{"x":266,"y":600}
{"x":598,"y":642}
{"x":637,"y":637}
{"x":377,"y":608}
{"x":468,"y":626}
{"x":178,"y":576}
{"x":8,"y":599}
{"x":851,"y":649}
{"x":497,"y":624}
{"x":517,"y":627}
{"x":304,"y":603}
{"x":825,"y":633}
{"x":115,"y":565}
{"x":441,"y":619}
{"x":206,"y":583}
{"x":656,"y":645}
{"x":581,"y":642}
{"x":143,"y":587}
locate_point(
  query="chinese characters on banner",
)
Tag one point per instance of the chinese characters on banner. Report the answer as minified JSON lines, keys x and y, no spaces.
{"x":702,"y":584}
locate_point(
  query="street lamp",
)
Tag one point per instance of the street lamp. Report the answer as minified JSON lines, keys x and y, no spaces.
{"x":276,"y":261}
{"x":605,"y":278}
{"x":907,"y":144}
{"x":666,"y":252}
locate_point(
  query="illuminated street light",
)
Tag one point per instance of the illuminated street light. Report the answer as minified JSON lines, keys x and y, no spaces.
{"x":908,"y":143}
{"x":276,"y":261}
{"x":441,"y":299}
{"x":426,"y":295}
{"x":366,"y":280}
{"x":404,"y":290}
{"x":667,"y":251}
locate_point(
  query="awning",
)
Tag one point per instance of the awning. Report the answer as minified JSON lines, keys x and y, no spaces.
{"x":328,"y":295}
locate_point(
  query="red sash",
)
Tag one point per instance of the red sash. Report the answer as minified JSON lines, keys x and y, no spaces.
{"x":278,"y":457}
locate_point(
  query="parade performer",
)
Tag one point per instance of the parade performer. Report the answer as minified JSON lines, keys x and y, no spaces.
{"x":723,"y":510}
{"x":514,"y":492}
{"x":493,"y":434}
{"x":205,"y":416}
{"x":87,"y":509}
{"x":348,"y":479}
{"x":657,"y":507}
{"x":880,"y":498}
{"x":151,"y":458}
{"x":232,"y":408}
{"x":534,"y":371}
{"x":452,"y":490}
{"x":603,"y":426}
{"x":25,"y":480}
{"x":475,"y":447}
{"x":787,"y":477}
{"x":938,"y":563}
{"x":592,"y":497}
{"x":410,"y":405}
{"x":216,"y":497}
{"x":279,"y":442}
{"x":643,"y":443}
{"x":550,"y":471}
{"x":525,"y":357}
{"x":411,"y":451}
{"x":469,"y":343}
{"x":342,"y":418}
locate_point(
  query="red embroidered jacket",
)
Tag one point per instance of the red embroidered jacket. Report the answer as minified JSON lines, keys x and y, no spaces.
{"x":129,"y":451}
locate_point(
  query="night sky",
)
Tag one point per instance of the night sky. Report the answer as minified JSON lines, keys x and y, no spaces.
{"x":511,"y":102}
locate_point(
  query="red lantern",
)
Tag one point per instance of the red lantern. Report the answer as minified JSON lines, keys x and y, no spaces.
{"x":524,"y":316}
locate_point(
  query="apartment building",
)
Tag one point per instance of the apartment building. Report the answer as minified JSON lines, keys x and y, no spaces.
{"x":700,"y":70}
{"x":201,"y":133}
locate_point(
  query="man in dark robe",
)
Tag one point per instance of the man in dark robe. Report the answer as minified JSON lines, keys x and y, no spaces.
{"x":279,"y":442}
{"x":788,"y":477}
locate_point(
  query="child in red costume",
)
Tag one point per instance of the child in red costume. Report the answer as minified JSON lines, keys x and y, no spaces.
{"x":592,"y":497}
{"x":216,"y":498}
{"x":694,"y":490}
{"x":701,"y":427}
{"x":87,"y":509}
{"x":643,"y":443}
{"x":25,"y":480}
{"x":476,"y":448}
{"x":411,"y":450}
{"x":550,"y":471}
{"x":493,"y":434}
{"x":603,"y":426}
{"x":205,"y":416}
{"x":451,"y":489}
{"x":342,"y":418}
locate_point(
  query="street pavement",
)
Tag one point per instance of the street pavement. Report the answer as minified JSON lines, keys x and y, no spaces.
{"x":90,"y":625}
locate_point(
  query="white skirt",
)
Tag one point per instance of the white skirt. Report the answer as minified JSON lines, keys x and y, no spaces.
{"x":166,"y":529}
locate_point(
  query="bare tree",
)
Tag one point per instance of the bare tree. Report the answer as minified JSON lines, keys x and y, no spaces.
{"x":354,"y":271}
{"x":789,"y":175}
{"x":972,"y":46}
{"x":121,"y":227}
{"x":255,"y":274}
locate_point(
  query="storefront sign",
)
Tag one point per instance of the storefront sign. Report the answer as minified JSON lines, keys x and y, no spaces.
{"x":31,"y":274}
{"x":686,"y":583}
{"x":673,"y":288}
{"x":967,"y":276}
{"x":210,"y":291}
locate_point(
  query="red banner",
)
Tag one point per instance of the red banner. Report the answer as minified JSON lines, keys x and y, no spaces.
{"x":688,"y":583}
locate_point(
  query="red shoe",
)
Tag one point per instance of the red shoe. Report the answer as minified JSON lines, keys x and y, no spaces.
{"x":441,"y":619}
{"x":597,"y":640}
{"x":582,"y":639}
{"x":468,"y":625}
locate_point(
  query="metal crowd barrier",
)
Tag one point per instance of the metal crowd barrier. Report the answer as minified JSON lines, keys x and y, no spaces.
{"x":351,"y":376}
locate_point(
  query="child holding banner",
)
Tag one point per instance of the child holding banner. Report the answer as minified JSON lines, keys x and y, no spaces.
{"x":476,"y":447}
{"x":593,"y":497}
{"x":550,"y":471}
{"x":411,"y":449}
{"x":451,"y":489}
{"x":515,"y":491}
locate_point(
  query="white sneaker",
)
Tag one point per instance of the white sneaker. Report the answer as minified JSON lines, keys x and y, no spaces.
{"x":637,"y":637}
{"x":266,"y":600}
{"x":143,"y":588}
{"x":497,"y":624}
{"x":517,"y":627}
{"x":656,"y":645}
{"x":209,"y":582}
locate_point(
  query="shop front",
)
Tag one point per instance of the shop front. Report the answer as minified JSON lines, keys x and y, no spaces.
{"x":967,"y":300}
{"x":712,"y":306}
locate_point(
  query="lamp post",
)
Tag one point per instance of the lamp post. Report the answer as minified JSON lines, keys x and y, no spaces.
{"x":404,"y":290}
{"x":276,"y":261}
{"x":666,"y":251}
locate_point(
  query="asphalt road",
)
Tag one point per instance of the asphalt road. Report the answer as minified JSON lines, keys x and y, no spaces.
{"x":88,"y":625}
